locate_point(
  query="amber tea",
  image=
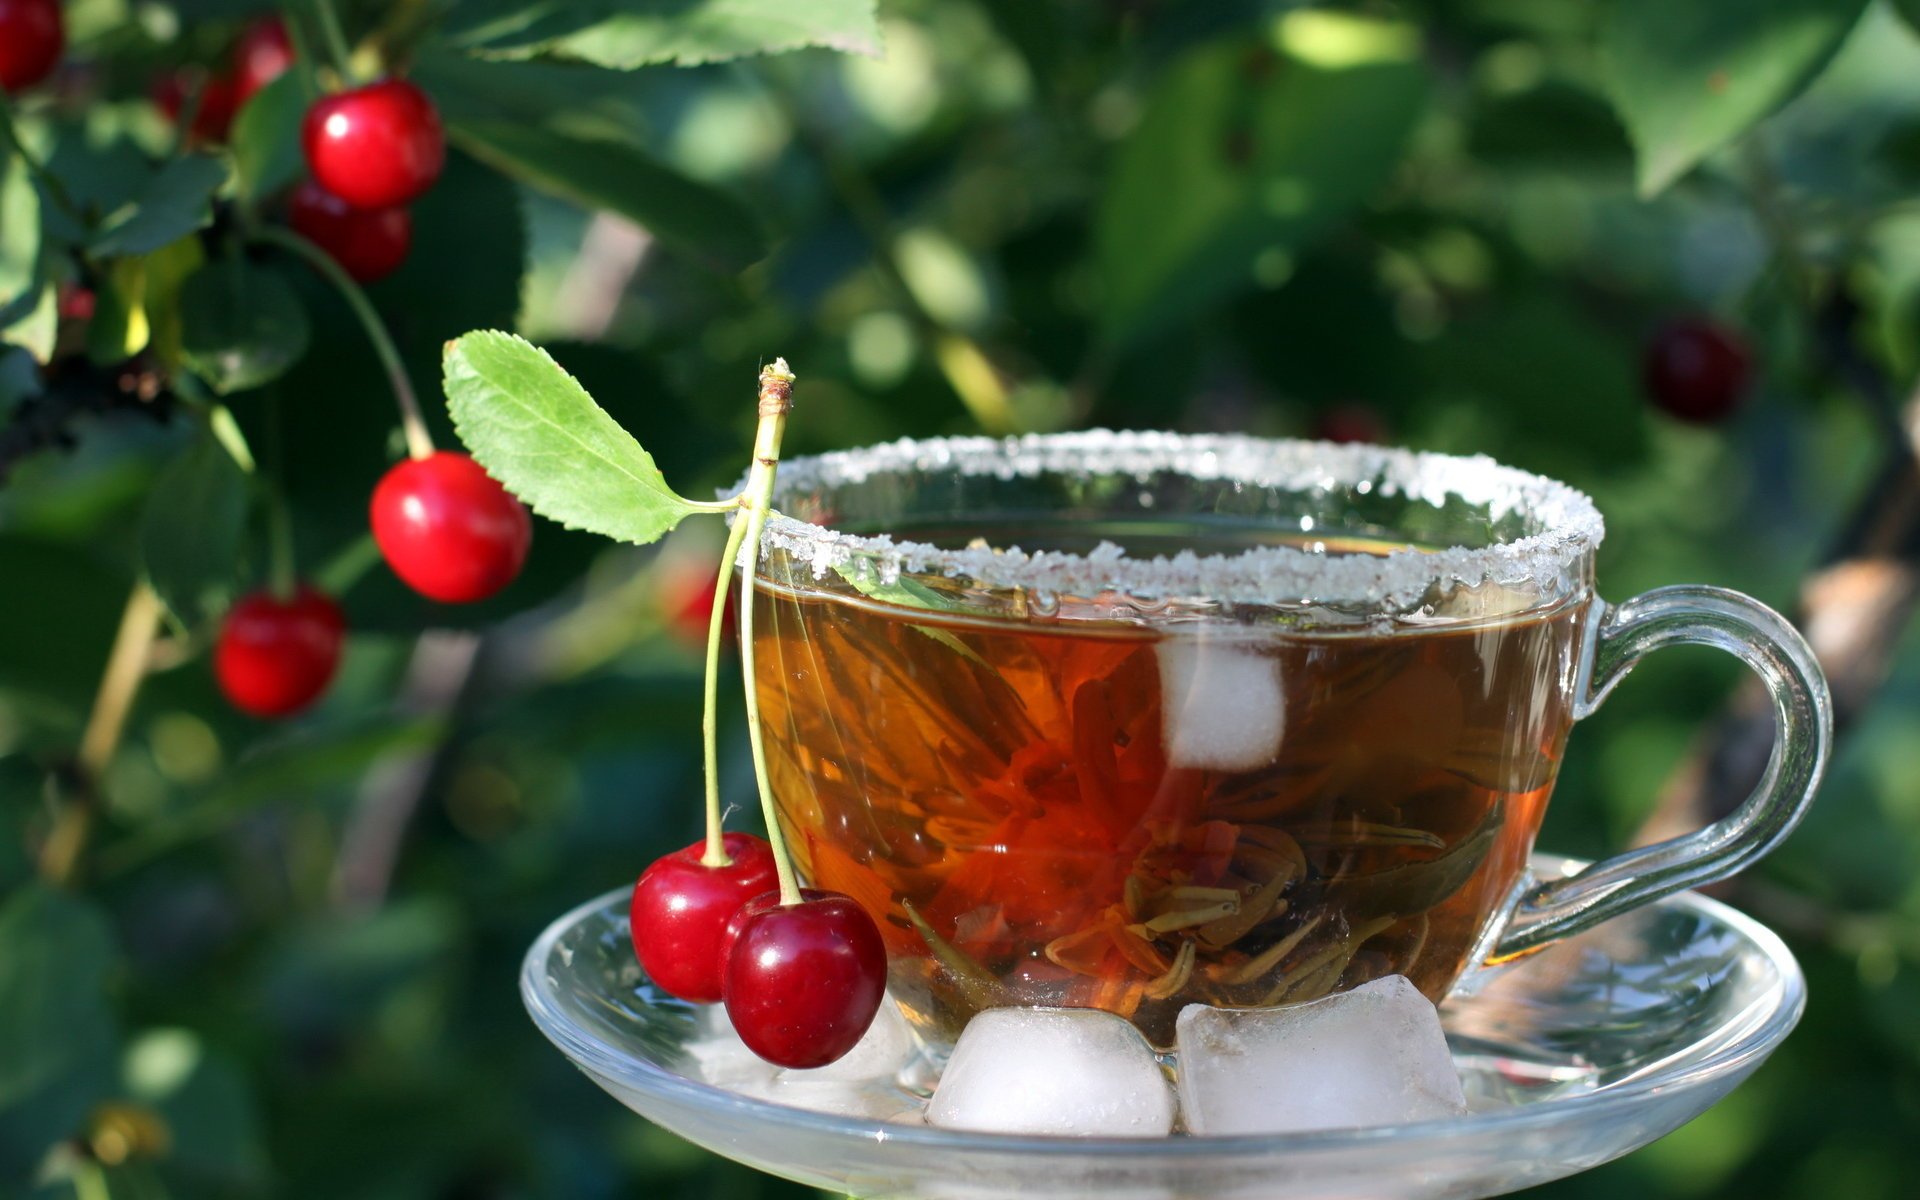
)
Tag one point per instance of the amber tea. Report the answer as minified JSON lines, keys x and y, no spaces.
{"x":1135,"y":816}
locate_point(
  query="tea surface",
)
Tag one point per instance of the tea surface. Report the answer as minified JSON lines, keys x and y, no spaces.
{"x":1133,"y":818}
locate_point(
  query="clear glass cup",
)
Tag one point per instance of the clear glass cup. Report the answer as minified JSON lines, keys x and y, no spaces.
{"x":1132,"y":721}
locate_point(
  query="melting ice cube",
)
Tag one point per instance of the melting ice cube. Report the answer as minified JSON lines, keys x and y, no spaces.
{"x":719,"y":1057}
{"x":1371,"y":1056}
{"x":1071,"y":1071}
{"x":860,"y":1084}
{"x":1223,"y":704}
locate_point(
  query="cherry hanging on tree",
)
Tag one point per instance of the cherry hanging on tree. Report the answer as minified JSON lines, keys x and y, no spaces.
{"x":1697,"y":370}
{"x":448,"y":529}
{"x":274,"y":655}
{"x":32,"y":35}
{"x":263,"y":53}
{"x":370,"y":243}
{"x":375,"y":146}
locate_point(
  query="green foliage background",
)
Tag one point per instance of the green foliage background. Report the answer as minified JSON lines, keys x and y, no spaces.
{"x":1466,"y":215}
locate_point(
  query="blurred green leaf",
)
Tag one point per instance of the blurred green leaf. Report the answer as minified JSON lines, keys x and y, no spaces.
{"x":534,"y":428}
{"x":1249,"y":148}
{"x":266,"y":138}
{"x":19,"y":240}
{"x":213,"y":1129}
{"x":168,"y":270}
{"x":1909,"y":11}
{"x":40,"y":327}
{"x":634,"y":33}
{"x":190,"y":535}
{"x":240,"y":325}
{"x":57,"y":1037}
{"x":599,"y":172}
{"x":176,"y":202}
{"x":19,"y":377}
{"x":1690,"y":78}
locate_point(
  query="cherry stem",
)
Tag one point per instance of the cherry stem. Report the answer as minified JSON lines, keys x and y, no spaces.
{"x":776,"y":400}
{"x":335,"y":38}
{"x":716,"y":853}
{"x":348,"y":565}
{"x":419,"y":441}
{"x":281,"y":576}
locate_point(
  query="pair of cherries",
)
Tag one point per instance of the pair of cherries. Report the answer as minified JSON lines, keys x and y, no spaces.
{"x":801,"y":982}
{"x":370,"y":151}
{"x":445,"y":526}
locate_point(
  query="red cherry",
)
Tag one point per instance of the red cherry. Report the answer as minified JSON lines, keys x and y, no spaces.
{"x":689,"y":609}
{"x":1697,"y":370}
{"x":263,"y":53}
{"x":1348,"y":423}
{"x":76,"y":302}
{"x":803,"y":980}
{"x":375,"y":146}
{"x":32,"y":35}
{"x":370,"y":243}
{"x":274,"y":657}
{"x":449,"y":529}
{"x":681,"y":907}
{"x":213,"y":120}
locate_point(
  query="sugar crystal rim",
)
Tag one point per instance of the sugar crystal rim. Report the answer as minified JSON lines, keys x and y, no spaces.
{"x":1565,"y":522}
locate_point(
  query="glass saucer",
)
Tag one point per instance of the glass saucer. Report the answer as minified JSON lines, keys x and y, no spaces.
{"x":1571,"y":1057}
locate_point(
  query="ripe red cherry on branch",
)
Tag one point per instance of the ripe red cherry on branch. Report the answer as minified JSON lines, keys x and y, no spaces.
{"x":213,"y":120}
{"x":369,"y":243}
{"x":375,"y":146}
{"x":275,"y":656}
{"x":1697,"y":370}
{"x":680,"y":909}
{"x":448,"y":529}
{"x":32,"y":35}
{"x":804,"y":980}
{"x":263,"y":53}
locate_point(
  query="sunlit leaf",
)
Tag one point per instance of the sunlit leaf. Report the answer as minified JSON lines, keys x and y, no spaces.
{"x":266,"y":137}
{"x":1690,"y":78}
{"x":634,"y":33}
{"x":535,"y":429}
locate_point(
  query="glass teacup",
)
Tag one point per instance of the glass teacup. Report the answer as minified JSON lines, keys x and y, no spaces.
{"x":1134,"y":721}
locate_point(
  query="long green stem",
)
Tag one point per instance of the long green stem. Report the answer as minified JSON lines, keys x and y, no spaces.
{"x":335,"y":37}
{"x":776,"y":399}
{"x":419,"y":442}
{"x":716,"y":852}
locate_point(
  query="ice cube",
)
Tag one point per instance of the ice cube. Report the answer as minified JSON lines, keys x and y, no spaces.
{"x":720,"y":1058}
{"x":880,"y":1052}
{"x":1222,"y":703}
{"x":1072,"y":1071}
{"x":1371,"y":1056}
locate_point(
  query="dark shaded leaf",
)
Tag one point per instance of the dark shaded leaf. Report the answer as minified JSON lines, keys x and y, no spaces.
{"x":266,"y":138}
{"x":178,"y":201}
{"x":241,"y":325}
{"x":191,"y":532}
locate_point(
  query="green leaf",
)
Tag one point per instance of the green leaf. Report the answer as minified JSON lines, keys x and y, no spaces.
{"x":1909,"y":11}
{"x":535,"y":429}
{"x":605,"y":172}
{"x":19,"y":378}
{"x":266,"y":137}
{"x":1689,"y":78}
{"x":178,"y":201}
{"x":57,"y":1036}
{"x":212,"y":1124}
{"x":1249,"y":148}
{"x":190,"y":534}
{"x":624,"y":34}
{"x":38,"y":330}
{"x":240,"y":325}
{"x":19,"y":240}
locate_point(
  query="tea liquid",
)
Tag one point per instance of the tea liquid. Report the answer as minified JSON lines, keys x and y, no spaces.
{"x":1136,"y":818}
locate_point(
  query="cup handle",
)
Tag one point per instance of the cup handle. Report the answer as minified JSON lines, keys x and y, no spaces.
{"x":1614,"y":641}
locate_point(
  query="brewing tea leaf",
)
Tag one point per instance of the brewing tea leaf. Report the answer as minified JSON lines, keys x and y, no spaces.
{"x":1416,"y":887}
{"x":535,"y":429}
{"x":976,"y":985}
{"x":1690,"y":78}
